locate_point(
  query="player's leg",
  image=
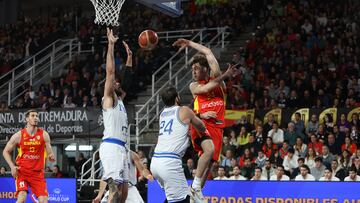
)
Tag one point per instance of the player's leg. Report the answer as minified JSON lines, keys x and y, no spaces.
{"x":21,"y":198}
{"x":204,"y":160}
{"x":133,"y":196}
{"x":21,"y":188}
{"x":43,"y":199}
{"x":123,"y":190}
{"x":114,"y":195}
{"x":216,"y":137}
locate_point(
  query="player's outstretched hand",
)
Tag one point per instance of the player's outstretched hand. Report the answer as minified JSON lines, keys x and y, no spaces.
{"x":14,"y":171}
{"x":111,"y":38}
{"x":231,"y":71}
{"x":208,"y":114}
{"x":128,"y":50}
{"x":182,"y":43}
{"x":52,"y":158}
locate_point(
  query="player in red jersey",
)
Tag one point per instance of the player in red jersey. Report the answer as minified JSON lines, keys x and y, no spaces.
{"x":33,"y":145}
{"x":209,"y":104}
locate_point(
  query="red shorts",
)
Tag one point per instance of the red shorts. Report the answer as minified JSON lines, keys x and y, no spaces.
{"x":33,"y":179}
{"x":216,"y":135}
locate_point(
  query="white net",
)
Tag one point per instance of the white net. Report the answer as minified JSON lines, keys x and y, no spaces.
{"x":107,"y":11}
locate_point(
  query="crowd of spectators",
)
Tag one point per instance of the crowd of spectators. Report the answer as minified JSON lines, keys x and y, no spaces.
{"x":303,"y":54}
{"x":79,"y":85}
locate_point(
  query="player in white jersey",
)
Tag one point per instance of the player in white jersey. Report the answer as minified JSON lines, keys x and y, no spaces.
{"x":112,"y":149}
{"x":133,"y":193}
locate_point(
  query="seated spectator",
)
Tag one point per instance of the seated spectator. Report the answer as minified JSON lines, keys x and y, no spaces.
{"x":260,"y":160}
{"x":313,"y":125}
{"x":221,"y":174}
{"x":269,"y":147}
{"x":275,"y":158}
{"x":247,"y":155}
{"x":259,"y":136}
{"x":321,"y":134}
{"x":319,"y":169}
{"x":188,"y":168}
{"x":226,"y":146}
{"x":236,"y":174}
{"x":310,"y":158}
{"x":296,"y":172}
{"x":232,"y":140}
{"x":349,"y":146}
{"x":327,"y":157}
{"x":56,"y":172}
{"x":356,"y":164}
{"x":280,"y":176}
{"x":334,"y":147}
{"x":226,"y":162}
{"x":291,"y":134}
{"x":242,"y":139}
{"x":268,"y":170}
{"x":252,"y":145}
{"x":315,"y":144}
{"x":304,"y":174}
{"x":2,"y":171}
{"x":276,"y":134}
{"x":290,"y":162}
{"x":300,"y":148}
{"x":344,"y":159}
{"x":258,"y":174}
{"x":328,"y":176}
{"x":299,"y":124}
{"x":355,"y":135}
{"x":352,"y":175}
{"x":343,"y":125}
{"x":248,"y":169}
{"x":284,"y":149}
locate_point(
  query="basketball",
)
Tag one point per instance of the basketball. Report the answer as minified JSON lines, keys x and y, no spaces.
{"x":148,"y":39}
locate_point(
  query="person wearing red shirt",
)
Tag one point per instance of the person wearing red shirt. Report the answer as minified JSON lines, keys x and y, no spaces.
{"x":208,"y":91}
{"x":315,"y":144}
{"x":28,"y":170}
{"x":351,"y":147}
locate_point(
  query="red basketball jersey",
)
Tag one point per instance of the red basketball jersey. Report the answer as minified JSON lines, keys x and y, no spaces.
{"x":31,"y":151}
{"x":212,"y":101}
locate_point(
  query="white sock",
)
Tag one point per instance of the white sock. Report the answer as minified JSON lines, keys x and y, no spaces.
{"x":196,"y":183}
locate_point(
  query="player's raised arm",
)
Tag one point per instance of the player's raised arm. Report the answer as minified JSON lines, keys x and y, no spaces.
{"x":213,"y":63}
{"x":109,"y":88}
{"x":49,"y":151}
{"x":7,"y":153}
{"x":197,"y":88}
{"x":129,"y":53}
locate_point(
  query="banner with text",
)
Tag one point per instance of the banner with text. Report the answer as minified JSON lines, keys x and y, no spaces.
{"x":270,"y":192}
{"x":58,"y":122}
{"x":59,"y":189}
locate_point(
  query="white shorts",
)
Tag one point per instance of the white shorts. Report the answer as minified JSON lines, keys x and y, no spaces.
{"x":170,"y":176}
{"x":133,"y":196}
{"x":115,"y":162}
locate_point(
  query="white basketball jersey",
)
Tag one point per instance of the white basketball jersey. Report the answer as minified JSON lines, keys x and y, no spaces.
{"x":132,"y":170}
{"x":173,"y":134}
{"x":116,"y":122}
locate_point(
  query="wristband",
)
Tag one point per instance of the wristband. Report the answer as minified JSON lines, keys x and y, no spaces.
{"x":205,"y":133}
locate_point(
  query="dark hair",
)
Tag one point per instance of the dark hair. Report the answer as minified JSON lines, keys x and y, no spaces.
{"x":306,"y":167}
{"x":297,"y":113}
{"x":281,"y":166}
{"x":318,"y":159}
{"x":27,"y":113}
{"x":301,"y":159}
{"x":329,"y":169}
{"x":221,"y":167}
{"x":352,"y":168}
{"x":201,"y":59}
{"x":258,"y":168}
{"x":291,"y":150}
{"x":168,"y":95}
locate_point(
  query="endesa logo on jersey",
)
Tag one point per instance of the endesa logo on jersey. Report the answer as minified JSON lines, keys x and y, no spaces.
{"x":31,"y":157}
{"x":59,"y":189}
{"x":212,"y":104}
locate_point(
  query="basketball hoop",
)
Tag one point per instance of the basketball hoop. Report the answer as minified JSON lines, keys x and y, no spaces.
{"x":107,"y":11}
